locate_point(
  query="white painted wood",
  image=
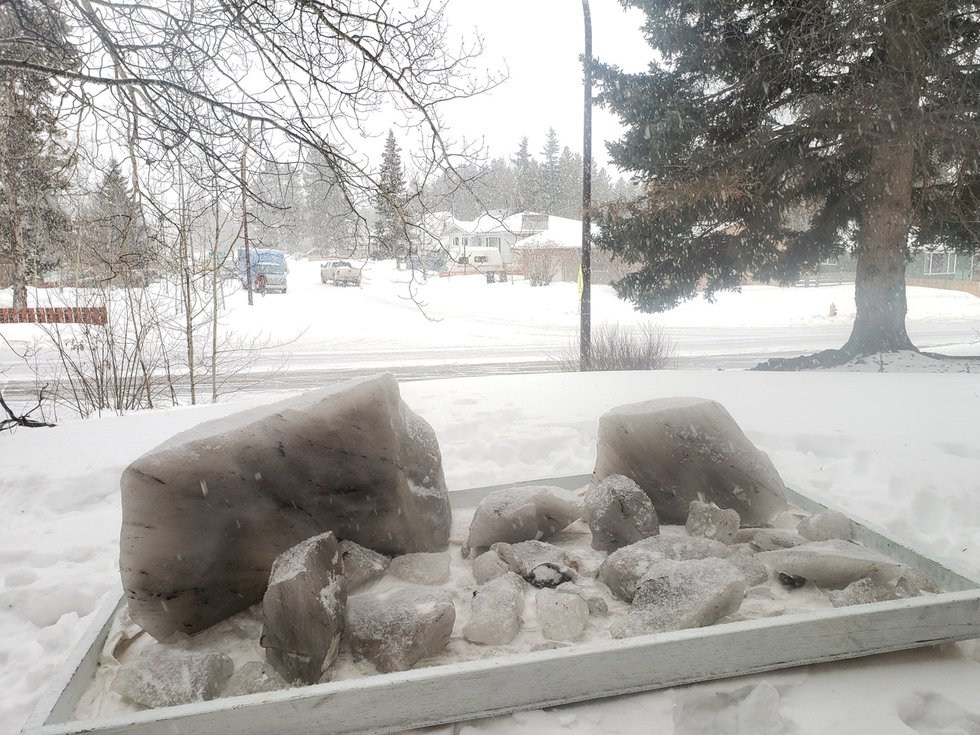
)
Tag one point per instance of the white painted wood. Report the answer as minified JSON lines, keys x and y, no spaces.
{"x":392,"y":702}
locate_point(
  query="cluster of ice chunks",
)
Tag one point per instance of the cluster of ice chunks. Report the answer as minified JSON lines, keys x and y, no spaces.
{"x":653,"y":459}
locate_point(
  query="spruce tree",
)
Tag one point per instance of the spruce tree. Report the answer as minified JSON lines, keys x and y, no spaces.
{"x":861,"y":116}
{"x":34,"y":161}
{"x":389,"y":228}
{"x":550,"y":187}
{"x":524,"y":166}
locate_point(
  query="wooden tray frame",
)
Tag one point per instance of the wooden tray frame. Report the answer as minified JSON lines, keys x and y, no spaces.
{"x":456,"y":692}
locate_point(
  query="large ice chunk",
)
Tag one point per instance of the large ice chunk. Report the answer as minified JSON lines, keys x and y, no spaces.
{"x":834,"y":563}
{"x":624,"y":568}
{"x":519,"y":514}
{"x":206,"y":513}
{"x":682,"y":594}
{"x":710,"y":521}
{"x":303,"y":609}
{"x":399,"y":627}
{"x":540,"y":563}
{"x":163,"y":677}
{"x":422,"y":567}
{"x":619,"y":513}
{"x":497,"y":608}
{"x":361,"y":565}
{"x":684,"y":449}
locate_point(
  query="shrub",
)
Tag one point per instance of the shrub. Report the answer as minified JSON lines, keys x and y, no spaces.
{"x":621,"y":347}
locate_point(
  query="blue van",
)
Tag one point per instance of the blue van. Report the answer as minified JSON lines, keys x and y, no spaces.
{"x":269,"y":269}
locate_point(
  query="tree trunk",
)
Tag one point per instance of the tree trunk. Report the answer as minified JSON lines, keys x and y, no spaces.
{"x":879,"y":286}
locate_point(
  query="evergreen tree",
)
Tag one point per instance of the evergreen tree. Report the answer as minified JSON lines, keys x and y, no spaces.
{"x":389,"y":229}
{"x":549,"y":192}
{"x":34,"y":226}
{"x":862,"y":114}
{"x":118,"y":239}
{"x":524,"y":166}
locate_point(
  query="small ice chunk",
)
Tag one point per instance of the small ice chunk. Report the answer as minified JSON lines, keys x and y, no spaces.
{"x":675,"y":595}
{"x":519,"y":514}
{"x":596,"y":602}
{"x":303,"y":609}
{"x":825,"y":526}
{"x":624,"y":568}
{"x":619,"y":513}
{"x":397,"y":628}
{"x":254,"y":677}
{"x":422,"y":568}
{"x":497,"y":607}
{"x":361,"y":565}
{"x":710,"y":521}
{"x":769,"y":539}
{"x":489,"y":566}
{"x":834,"y":564}
{"x":861,"y":592}
{"x":913,"y":583}
{"x":540,"y":563}
{"x":163,"y":677}
{"x":562,"y":617}
{"x":743,"y":558}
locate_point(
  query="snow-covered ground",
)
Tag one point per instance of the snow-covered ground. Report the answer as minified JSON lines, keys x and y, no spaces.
{"x":901,"y":449}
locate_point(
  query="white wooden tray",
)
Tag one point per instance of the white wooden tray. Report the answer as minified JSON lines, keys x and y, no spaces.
{"x":455,"y":692}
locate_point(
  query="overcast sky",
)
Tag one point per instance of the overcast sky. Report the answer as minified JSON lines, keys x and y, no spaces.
{"x":539,"y":42}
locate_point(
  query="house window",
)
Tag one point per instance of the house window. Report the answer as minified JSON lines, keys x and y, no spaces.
{"x":480,"y":259}
{"x":455,"y":242}
{"x":493,"y":242}
{"x":940,"y":264}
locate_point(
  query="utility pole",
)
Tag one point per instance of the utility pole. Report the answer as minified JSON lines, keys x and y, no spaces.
{"x":248,"y":253}
{"x":585,"y":310}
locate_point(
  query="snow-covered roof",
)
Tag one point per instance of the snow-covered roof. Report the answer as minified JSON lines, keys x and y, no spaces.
{"x":562,"y":233}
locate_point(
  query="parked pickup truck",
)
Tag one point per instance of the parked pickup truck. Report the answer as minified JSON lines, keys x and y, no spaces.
{"x":340,"y":273}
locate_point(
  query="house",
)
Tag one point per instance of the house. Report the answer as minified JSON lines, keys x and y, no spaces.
{"x":944,"y":269}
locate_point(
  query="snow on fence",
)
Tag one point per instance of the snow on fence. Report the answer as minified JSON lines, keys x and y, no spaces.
{"x":55,"y":314}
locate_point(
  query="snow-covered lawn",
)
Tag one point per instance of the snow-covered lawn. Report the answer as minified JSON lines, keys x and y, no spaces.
{"x":901,"y":449}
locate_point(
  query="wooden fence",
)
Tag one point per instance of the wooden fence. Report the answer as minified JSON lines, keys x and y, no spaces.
{"x":55,"y":315}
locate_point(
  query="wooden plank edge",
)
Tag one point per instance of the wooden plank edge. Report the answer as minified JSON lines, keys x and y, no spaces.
{"x":471,"y":690}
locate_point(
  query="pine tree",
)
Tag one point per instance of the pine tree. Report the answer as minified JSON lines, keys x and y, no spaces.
{"x":389,"y":229}
{"x":524,"y":166}
{"x":119,"y":240}
{"x":34,"y":226}
{"x":861,"y":114}
{"x":550,"y":188}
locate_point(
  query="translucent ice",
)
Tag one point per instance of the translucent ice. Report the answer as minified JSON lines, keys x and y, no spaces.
{"x":397,"y":628}
{"x":361,"y":565}
{"x":684,"y":449}
{"x":682,"y":594}
{"x":834,"y":564}
{"x":619,"y":513}
{"x":351,"y":458}
{"x":422,"y":567}
{"x":163,"y":677}
{"x":497,"y":607}
{"x":562,"y":616}
{"x":710,"y":521}
{"x":488,"y":566}
{"x":624,"y":568}
{"x":520,"y":513}
{"x":303,"y":609}
{"x":825,"y":526}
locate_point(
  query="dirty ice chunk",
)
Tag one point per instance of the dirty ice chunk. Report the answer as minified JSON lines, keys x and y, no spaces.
{"x":540,"y":563}
{"x":497,"y":607}
{"x":351,"y":458}
{"x":744,"y":559}
{"x":596,"y":602}
{"x":619,"y":513}
{"x":624,"y":568}
{"x":684,"y":449}
{"x":834,"y":564}
{"x":422,"y":567}
{"x":913,"y":583}
{"x":303,"y":609}
{"x":769,"y":539}
{"x":675,"y":595}
{"x":361,"y":565}
{"x":710,"y":521}
{"x":562,"y":617}
{"x":163,"y":677}
{"x":520,"y":513}
{"x":824,"y":526}
{"x":399,"y":627}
